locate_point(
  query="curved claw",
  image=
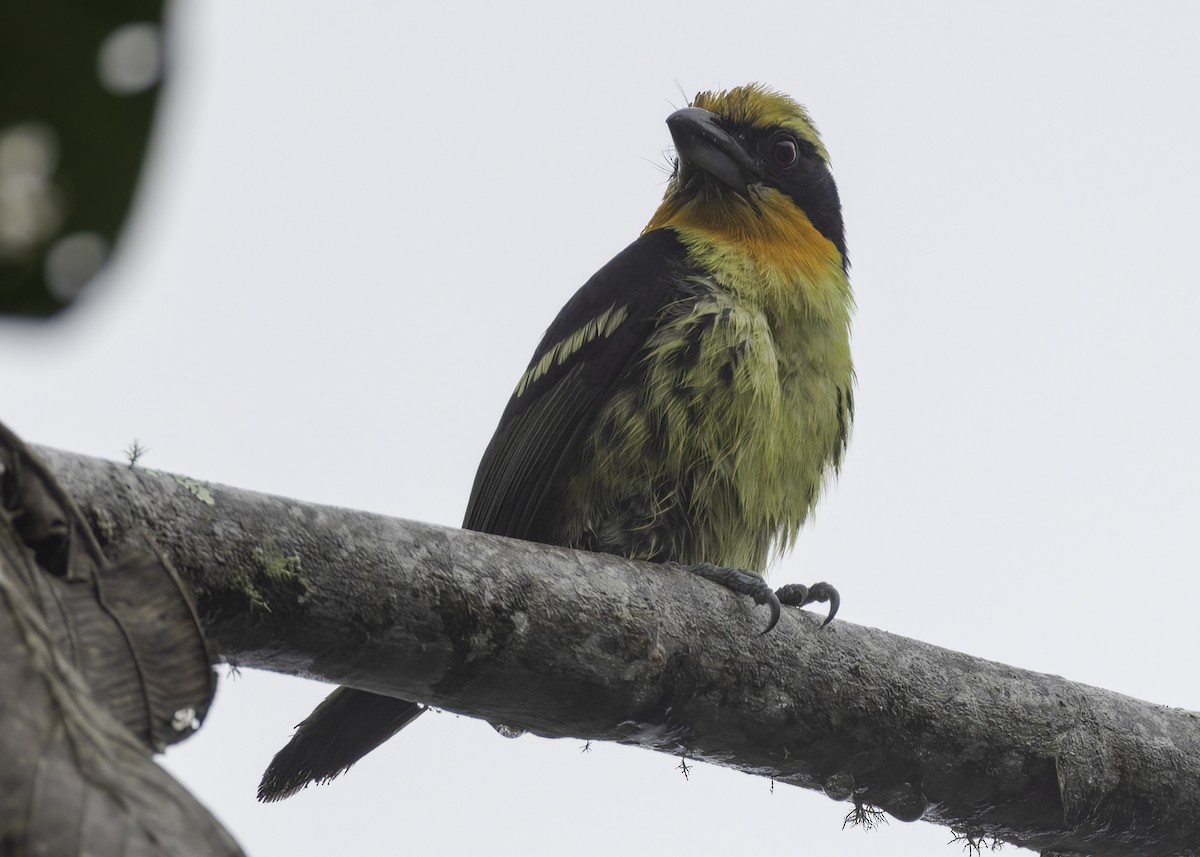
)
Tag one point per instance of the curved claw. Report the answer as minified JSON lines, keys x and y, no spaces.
{"x":823,"y":592}
{"x":799,"y":595}
{"x":742,"y":582}
{"x":772,"y":600}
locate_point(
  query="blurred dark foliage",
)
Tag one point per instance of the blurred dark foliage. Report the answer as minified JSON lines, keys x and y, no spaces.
{"x":79,"y":82}
{"x":102,"y":662}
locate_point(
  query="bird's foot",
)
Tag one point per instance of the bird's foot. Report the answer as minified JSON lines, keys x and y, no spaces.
{"x":741,"y":582}
{"x":748,"y":583}
{"x":798,"y":595}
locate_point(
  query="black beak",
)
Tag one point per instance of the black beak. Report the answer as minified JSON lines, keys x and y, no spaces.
{"x":704,"y":145}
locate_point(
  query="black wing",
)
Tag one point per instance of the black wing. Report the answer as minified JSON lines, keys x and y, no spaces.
{"x":520,"y":486}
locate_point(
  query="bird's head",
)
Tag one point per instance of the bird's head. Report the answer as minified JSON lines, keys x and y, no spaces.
{"x":751,"y":171}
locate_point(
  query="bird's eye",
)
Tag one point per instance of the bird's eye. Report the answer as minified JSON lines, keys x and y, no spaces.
{"x":784,"y":153}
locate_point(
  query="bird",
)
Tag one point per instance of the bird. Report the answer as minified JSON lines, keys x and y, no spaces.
{"x":688,"y":403}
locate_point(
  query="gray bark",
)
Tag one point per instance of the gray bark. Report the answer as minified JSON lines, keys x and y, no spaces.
{"x":566,"y":643}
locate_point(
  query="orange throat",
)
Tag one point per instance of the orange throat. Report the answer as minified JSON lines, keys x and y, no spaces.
{"x":770,"y":234}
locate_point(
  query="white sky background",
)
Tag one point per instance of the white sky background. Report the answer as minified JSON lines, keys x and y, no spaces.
{"x":361,"y":217}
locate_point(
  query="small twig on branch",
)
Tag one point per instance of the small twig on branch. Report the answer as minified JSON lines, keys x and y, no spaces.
{"x":565,"y":643}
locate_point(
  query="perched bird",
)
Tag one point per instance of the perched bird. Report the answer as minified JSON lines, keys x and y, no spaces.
{"x":686,"y":405}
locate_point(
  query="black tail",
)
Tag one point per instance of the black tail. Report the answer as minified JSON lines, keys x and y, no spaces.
{"x":341,"y":730}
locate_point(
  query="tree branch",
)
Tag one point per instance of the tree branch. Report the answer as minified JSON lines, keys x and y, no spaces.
{"x":566,"y":643}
